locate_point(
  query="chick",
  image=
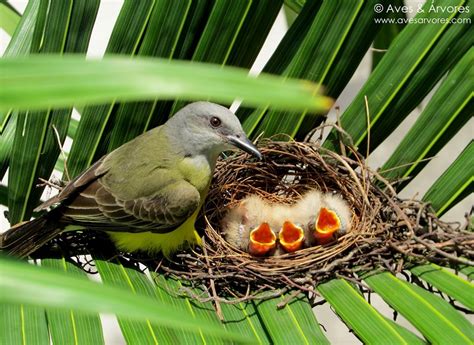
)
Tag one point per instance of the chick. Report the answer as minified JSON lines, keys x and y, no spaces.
{"x":291,"y":236}
{"x":247,"y":226}
{"x":291,"y":220}
{"x":262,"y":240}
{"x":332,"y":219}
{"x":304,"y":209}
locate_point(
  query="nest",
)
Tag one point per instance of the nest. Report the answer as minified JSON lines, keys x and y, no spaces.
{"x":287,"y":172}
{"x":387,"y":233}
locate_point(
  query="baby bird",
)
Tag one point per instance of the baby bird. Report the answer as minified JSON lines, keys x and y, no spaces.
{"x":262,"y":240}
{"x":303,"y":211}
{"x":316,"y":219}
{"x":333,"y":219}
{"x":291,"y":221}
{"x":247,"y":226}
{"x":291,"y":236}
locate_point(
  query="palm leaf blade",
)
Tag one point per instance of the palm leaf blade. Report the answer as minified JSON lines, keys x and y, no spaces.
{"x":447,"y":282}
{"x":438,"y":118}
{"x":411,"y":46}
{"x":243,"y":318}
{"x":23,"y":324}
{"x":360,"y":316}
{"x":423,"y":310}
{"x":38,"y":286}
{"x":160,"y":40}
{"x":295,"y":323}
{"x":454,"y":183}
{"x":20,"y":43}
{"x":124,"y":39}
{"x":72,"y":327}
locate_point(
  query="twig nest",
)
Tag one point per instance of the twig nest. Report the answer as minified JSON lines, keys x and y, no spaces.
{"x":287,"y":175}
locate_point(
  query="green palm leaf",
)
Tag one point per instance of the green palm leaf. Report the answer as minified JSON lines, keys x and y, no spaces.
{"x":23,"y":283}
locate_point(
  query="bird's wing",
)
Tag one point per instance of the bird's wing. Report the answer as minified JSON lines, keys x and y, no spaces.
{"x":110,"y":163}
{"x":131,"y":189}
{"x":96,"y":207}
{"x":80,"y":182}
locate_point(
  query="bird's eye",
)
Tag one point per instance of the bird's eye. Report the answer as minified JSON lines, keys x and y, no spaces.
{"x":215,"y":122}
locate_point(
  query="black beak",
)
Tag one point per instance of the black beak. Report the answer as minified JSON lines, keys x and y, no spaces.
{"x":243,"y":143}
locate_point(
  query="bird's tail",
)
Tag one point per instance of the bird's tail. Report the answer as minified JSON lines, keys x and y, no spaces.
{"x":25,"y":238}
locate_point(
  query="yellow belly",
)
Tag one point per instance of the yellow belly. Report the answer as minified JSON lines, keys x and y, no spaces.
{"x":153,"y":243}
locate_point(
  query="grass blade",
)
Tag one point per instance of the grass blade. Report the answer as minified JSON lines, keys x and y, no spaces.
{"x":447,"y":282}
{"x":435,"y":318}
{"x":361,"y":317}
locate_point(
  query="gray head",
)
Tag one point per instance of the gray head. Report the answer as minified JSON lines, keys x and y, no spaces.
{"x":209,"y":129}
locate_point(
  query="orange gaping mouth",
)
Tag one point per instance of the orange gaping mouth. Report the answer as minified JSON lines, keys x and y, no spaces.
{"x":262,"y":240}
{"x":291,"y":237}
{"x":327,"y":223}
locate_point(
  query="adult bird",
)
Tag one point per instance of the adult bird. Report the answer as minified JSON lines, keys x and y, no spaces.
{"x":147,"y":193}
